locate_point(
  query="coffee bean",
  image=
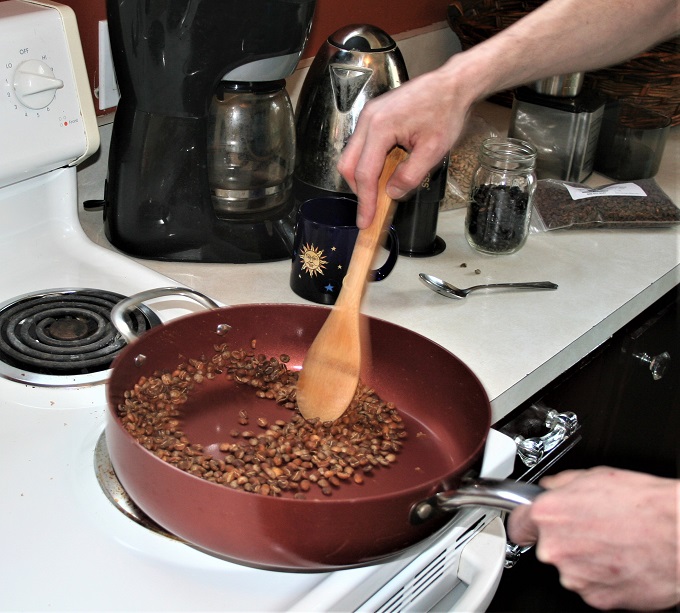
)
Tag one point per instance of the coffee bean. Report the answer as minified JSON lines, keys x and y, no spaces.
{"x":557,"y":209}
{"x":287,"y":457}
{"x":497,"y":217}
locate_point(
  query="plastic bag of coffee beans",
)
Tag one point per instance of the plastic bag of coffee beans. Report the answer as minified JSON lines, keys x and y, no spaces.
{"x":633,"y":204}
{"x":463,"y":161}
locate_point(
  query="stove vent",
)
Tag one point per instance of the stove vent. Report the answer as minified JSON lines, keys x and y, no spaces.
{"x":429,"y":581}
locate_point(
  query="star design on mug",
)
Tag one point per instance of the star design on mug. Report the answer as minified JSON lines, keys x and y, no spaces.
{"x":313,"y":260}
{"x":330,"y":288}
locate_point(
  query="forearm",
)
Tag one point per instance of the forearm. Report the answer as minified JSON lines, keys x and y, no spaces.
{"x":563,"y":36}
{"x":427,"y":114}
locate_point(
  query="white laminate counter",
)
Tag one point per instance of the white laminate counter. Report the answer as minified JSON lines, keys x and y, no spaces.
{"x":516,"y":342}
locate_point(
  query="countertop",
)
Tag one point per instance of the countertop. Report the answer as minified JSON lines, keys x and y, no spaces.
{"x":516,"y":342}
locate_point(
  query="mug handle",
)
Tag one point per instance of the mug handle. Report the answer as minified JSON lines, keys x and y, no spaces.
{"x":382,"y":272}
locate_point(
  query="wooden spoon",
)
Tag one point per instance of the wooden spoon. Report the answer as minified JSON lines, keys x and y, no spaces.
{"x":330,"y":371}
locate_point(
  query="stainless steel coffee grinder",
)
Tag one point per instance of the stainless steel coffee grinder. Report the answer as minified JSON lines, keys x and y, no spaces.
{"x":201,"y":158}
{"x":562,"y":121}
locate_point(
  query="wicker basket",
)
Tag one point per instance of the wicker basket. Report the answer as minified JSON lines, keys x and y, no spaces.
{"x":652,"y":78}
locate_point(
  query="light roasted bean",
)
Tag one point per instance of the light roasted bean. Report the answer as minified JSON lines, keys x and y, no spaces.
{"x":288,"y":456}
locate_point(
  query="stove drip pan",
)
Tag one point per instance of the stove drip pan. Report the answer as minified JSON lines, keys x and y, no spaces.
{"x":115,"y":492}
{"x":63,"y":336}
{"x":112,"y":487}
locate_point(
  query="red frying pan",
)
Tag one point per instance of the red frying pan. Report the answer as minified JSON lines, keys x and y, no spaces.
{"x":444,"y":406}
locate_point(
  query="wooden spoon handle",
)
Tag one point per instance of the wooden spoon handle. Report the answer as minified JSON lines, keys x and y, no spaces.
{"x":366,"y":246}
{"x":331,"y":369}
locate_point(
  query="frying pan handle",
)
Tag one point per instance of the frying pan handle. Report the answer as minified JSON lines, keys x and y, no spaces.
{"x":505,"y":495}
{"x":121,"y":308}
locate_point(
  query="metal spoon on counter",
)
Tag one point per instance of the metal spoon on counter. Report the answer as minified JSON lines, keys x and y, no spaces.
{"x":451,"y":291}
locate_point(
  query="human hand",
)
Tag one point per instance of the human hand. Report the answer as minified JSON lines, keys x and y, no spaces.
{"x":424,"y":116}
{"x":612,"y":534}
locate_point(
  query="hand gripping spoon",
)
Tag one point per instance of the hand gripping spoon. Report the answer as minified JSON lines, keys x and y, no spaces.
{"x":330,"y":371}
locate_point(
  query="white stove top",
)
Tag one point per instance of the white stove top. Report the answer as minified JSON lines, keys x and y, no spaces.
{"x":65,"y":546}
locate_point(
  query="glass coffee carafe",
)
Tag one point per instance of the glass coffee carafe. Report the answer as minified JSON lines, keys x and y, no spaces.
{"x":251,"y":148}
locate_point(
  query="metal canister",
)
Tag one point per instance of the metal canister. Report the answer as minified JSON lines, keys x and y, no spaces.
{"x":563,"y":86}
{"x":415,"y":220}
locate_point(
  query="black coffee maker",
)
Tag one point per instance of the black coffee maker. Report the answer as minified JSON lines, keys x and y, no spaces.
{"x":172,"y":58}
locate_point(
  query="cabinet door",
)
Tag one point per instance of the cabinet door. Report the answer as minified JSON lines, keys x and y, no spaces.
{"x":644,"y":405}
{"x":629,"y":420}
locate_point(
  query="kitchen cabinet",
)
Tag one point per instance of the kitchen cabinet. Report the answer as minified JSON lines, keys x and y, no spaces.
{"x":630,"y":418}
{"x":629,"y":413}
{"x":643,"y":405}
{"x":626,"y":394}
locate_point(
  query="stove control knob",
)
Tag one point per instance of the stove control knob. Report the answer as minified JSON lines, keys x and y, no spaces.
{"x":35,"y":84}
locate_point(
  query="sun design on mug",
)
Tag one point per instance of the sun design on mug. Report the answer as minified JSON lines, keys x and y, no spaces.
{"x":313,"y":260}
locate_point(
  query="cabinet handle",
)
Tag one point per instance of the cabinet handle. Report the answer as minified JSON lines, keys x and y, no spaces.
{"x":658,"y":364}
{"x":561,"y":425}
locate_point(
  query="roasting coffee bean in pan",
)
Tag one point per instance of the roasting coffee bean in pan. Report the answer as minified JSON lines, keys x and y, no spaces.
{"x":284,"y":456}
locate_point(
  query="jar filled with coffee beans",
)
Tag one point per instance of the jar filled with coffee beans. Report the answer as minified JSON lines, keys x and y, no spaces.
{"x":499,"y":211}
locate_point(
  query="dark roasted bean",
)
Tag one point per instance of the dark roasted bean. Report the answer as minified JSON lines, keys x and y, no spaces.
{"x":557,"y":209}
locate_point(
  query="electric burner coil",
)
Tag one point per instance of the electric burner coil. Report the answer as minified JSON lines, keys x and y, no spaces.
{"x":50,"y":337}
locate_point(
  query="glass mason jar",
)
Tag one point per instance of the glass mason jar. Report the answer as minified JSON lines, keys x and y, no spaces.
{"x":499,"y":211}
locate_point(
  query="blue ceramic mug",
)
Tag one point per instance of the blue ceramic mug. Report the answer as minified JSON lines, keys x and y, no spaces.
{"x":325,"y":234}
